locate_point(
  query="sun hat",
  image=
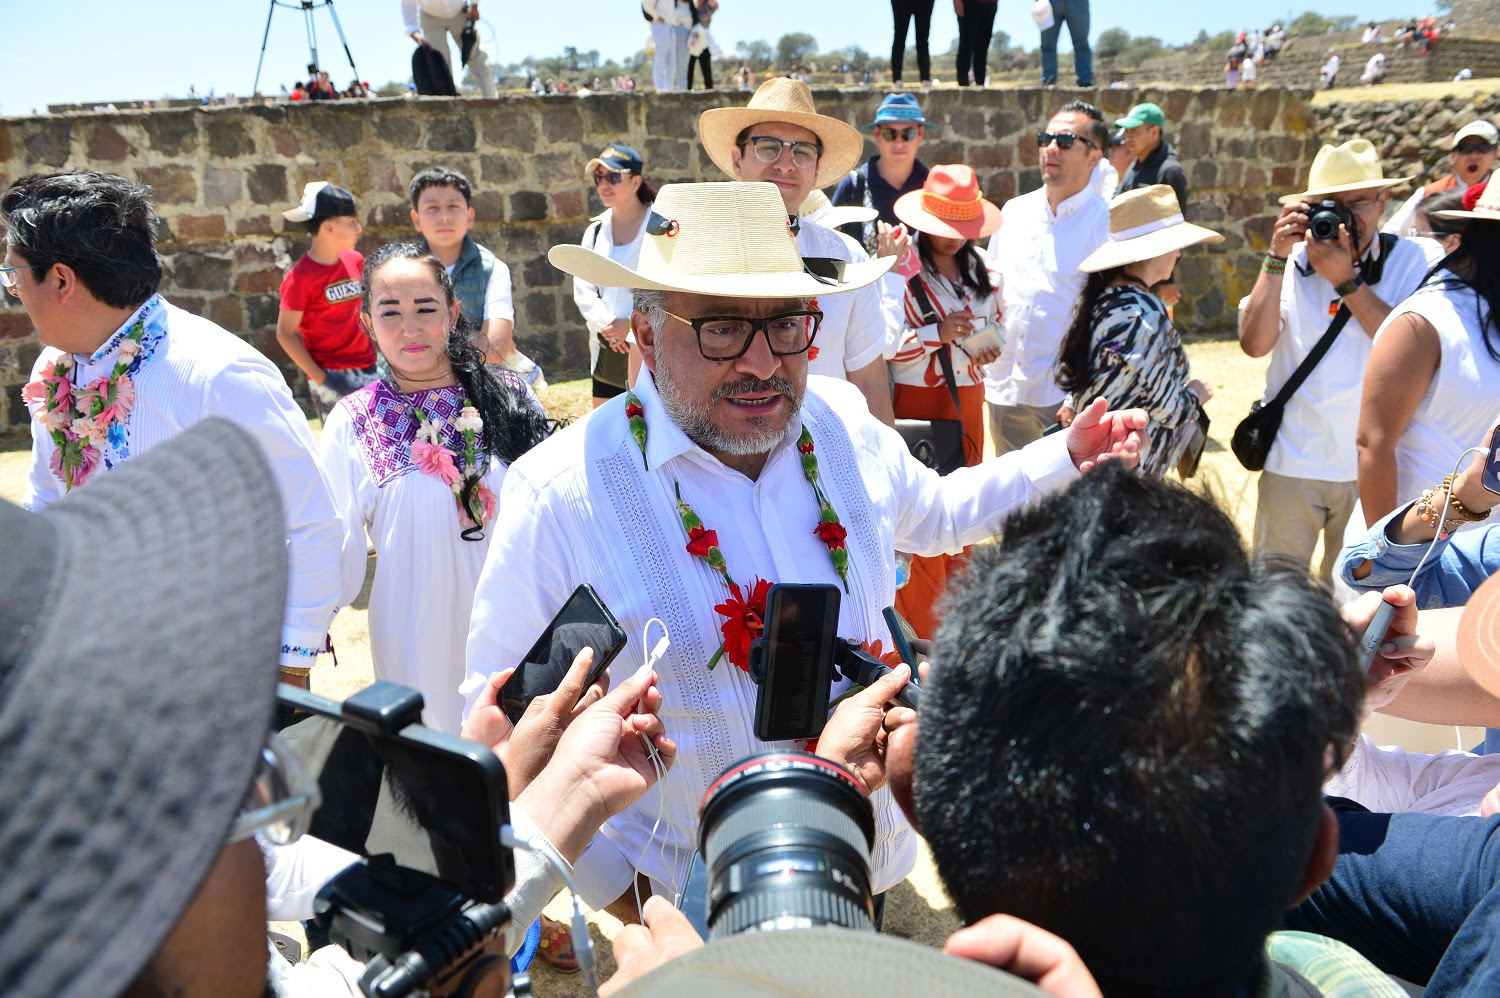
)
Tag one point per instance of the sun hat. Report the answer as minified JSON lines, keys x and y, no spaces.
{"x":822,"y":961}
{"x":1353,"y":166}
{"x":790,"y":101}
{"x":617,"y":157}
{"x":1144,"y":224}
{"x":320,"y":199}
{"x":949,"y":204}
{"x":897,"y":109}
{"x":1143,"y":114}
{"x":1479,"y":636}
{"x":1481,"y":201}
{"x":817,"y":208}
{"x":731,"y":240}
{"x":140,"y":622}
{"x":1476,"y":129}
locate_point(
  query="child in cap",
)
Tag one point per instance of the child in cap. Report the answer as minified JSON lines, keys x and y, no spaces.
{"x":319,"y":322}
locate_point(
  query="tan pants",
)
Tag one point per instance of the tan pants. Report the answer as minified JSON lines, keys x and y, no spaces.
{"x":435,"y":31}
{"x":1014,"y":426}
{"x":1290,"y":513}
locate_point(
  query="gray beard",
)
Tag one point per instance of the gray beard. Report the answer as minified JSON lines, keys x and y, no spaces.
{"x":697,"y":420}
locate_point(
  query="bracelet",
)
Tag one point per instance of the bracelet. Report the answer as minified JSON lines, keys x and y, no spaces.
{"x":294,"y":670}
{"x":1274,"y":265}
{"x":1430,"y":506}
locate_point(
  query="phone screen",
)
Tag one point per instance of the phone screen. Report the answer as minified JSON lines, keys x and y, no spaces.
{"x":801,"y":625}
{"x":583,"y":622}
{"x":1491,"y":478}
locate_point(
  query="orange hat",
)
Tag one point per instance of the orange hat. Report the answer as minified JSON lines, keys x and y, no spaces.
{"x":949,"y":204}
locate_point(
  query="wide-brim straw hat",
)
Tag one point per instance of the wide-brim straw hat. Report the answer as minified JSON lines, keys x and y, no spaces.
{"x":817,"y":208}
{"x":730,"y":240}
{"x":790,"y":101}
{"x":1144,"y":224}
{"x":949,"y":204}
{"x":1486,"y":205}
{"x":1353,"y":166}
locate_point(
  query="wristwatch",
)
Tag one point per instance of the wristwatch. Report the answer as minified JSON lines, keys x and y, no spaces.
{"x":1349,"y":287}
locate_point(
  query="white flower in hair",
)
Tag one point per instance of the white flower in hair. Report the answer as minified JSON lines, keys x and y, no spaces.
{"x":468,"y":419}
{"x":428,"y":431}
{"x":129,"y":349}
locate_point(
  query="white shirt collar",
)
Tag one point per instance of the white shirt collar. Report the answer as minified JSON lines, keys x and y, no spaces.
{"x":1071,"y":204}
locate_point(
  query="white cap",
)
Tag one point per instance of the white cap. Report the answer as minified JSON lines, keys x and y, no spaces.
{"x":1480,"y":129}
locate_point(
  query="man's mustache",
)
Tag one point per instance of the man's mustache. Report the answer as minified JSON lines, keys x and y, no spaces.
{"x":749,"y":385}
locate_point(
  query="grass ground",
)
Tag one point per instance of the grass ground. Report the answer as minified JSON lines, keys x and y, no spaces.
{"x":1405,"y":92}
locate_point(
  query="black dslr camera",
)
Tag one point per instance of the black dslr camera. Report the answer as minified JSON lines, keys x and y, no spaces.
{"x":1324,"y":219}
{"x":425,"y":809}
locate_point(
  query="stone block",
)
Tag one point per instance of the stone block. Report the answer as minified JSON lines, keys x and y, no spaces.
{"x":659,"y":154}
{"x":501,"y":168}
{"x":1028,"y":180}
{"x":222,"y":185}
{"x":49,"y":142}
{"x":999,"y":186}
{"x":306,"y":173}
{"x":106,"y":143}
{"x":200,"y":227}
{"x":229,"y":136}
{"x":1211,"y":304}
{"x":1177,"y":103}
{"x":527,"y":206}
{"x":1003,"y":124}
{"x":1231,"y":174}
{"x":514,"y":242}
{"x":258,"y":281}
{"x":965,"y":124}
{"x":1258,"y":232}
{"x":450,"y":133}
{"x":285,"y":141}
{"x":7,"y":148}
{"x":1193,"y":139}
{"x":325,"y":127}
{"x":227,"y":311}
{"x":15,"y":324}
{"x":1284,"y":178}
{"x":400,"y":128}
{"x":1027,"y":153}
{"x":539,"y":273}
{"x":266,"y":183}
{"x":170,"y":184}
{"x":540,"y":310}
{"x":1255,"y":177}
{"x":388,"y":216}
{"x":561,"y":122}
{"x":1407,"y":146}
{"x":1232,"y":114}
{"x":374,"y":175}
{"x":261,"y":311}
{"x":676,"y":118}
{"x":257,"y":225}
{"x":606,"y":115}
{"x":990,"y":155}
{"x":257,"y":254}
{"x":554,"y":170}
{"x":568,"y":204}
{"x":489,"y":205}
{"x":1204,"y":173}
{"x":199,"y":271}
{"x":173,"y":133}
{"x":1263,"y":108}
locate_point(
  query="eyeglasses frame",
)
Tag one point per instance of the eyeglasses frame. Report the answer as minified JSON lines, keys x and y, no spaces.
{"x":756,"y":326}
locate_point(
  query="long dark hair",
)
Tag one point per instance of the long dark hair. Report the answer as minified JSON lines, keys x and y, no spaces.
{"x":512,"y":426}
{"x":1473,"y":264}
{"x":1075,"y":361}
{"x":971,"y":270}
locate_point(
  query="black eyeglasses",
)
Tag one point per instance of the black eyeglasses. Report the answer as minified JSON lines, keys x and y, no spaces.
{"x":1478,"y":147}
{"x":728,"y":337}
{"x":768,"y":150}
{"x":1064,"y":140}
{"x":610,"y":177}
{"x":898,"y":134}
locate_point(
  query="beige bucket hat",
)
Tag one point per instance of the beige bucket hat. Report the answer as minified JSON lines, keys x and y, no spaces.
{"x":817,"y":208}
{"x":731,"y":240}
{"x":1353,"y":166}
{"x":1486,"y":206}
{"x":791,"y":101}
{"x":1144,"y":224}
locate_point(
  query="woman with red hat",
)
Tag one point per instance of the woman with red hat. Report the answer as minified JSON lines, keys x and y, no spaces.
{"x":952,"y":315}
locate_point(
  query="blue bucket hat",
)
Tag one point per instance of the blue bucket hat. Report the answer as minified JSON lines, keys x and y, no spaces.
{"x":897,"y":109}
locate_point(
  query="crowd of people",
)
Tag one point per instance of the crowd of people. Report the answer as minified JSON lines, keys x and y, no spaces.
{"x":1127,"y":715}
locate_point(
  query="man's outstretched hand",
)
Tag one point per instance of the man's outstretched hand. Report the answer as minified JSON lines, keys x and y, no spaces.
{"x":1097,"y":434}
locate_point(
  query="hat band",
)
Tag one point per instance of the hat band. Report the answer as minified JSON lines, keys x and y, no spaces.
{"x":950,"y":209}
{"x":1148,"y":228}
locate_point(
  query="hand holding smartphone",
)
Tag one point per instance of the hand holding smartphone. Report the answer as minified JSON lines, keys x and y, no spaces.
{"x":583,"y":622}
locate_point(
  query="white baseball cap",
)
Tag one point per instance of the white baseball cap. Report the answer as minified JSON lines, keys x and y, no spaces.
{"x":1478,"y":129}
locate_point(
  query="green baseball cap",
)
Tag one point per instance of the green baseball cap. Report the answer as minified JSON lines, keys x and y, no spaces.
{"x":1143,"y":114}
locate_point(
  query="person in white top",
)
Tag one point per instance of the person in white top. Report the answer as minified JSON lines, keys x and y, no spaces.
{"x":1431,"y":382}
{"x":430,"y":22}
{"x":1472,"y":154}
{"x":122,"y":370}
{"x":779,"y":137}
{"x":1043,"y":238}
{"x":671,"y":23}
{"x":726,"y":469}
{"x":1329,"y":74}
{"x":1309,"y":483}
{"x":616,"y":232}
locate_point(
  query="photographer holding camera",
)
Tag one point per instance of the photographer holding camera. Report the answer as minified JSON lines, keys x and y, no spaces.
{"x":1326,"y":285}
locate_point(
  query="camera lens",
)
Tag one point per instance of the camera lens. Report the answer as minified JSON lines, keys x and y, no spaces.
{"x":1323,"y":223}
{"x":786,"y":837}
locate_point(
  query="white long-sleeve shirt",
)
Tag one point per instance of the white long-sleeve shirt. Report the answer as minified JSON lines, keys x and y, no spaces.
{"x":190,"y":370}
{"x":433,"y":8}
{"x":584,"y":506}
{"x":1389,"y":778}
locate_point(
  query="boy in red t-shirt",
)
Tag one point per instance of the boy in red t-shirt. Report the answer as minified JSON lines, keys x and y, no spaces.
{"x":319,"y":323}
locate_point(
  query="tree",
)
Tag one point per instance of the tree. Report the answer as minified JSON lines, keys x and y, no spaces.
{"x":1111,"y":43}
{"x":1000,"y":42}
{"x":756,"y":54}
{"x":794,"y":48}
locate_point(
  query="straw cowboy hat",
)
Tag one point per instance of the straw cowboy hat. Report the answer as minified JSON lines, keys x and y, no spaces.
{"x":1353,"y":166}
{"x":729,"y":240}
{"x":1481,"y":201}
{"x":817,"y":208}
{"x":1144,"y":224}
{"x":949,"y":205}
{"x":790,"y":101}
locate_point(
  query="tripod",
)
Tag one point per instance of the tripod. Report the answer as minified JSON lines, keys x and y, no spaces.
{"x":307,"y":7}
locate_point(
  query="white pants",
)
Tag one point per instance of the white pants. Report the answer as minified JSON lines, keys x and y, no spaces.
{"x":435,"y":31}
{"x":665,"y":73}
{"x":680,"y":38}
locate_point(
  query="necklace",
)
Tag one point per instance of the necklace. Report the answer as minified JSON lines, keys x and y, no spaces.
{"x":744,"y":610}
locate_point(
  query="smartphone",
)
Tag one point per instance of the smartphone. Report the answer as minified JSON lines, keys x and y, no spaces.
{"x":795,"y":657}
{"x":986,"y":337}
{"x":433,"y":801}
{"x":1491,"y":478}
{"x":583,"y":622}
{"x":902,"y":635}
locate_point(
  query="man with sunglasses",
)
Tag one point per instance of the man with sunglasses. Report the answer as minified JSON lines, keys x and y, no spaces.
{"x":780,"y":138}
{"x":1043,"y":236}
{"x":1472,"y":154}
{"x":898,"y":129}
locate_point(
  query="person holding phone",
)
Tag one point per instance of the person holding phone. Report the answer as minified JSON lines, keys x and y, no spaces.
{"x":951,"y":309}
{"x":1122,"y":344}
{"x":416,"y":459}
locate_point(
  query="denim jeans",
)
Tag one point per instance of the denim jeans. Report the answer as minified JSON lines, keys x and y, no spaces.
{"x":1076,"y":13}
{"x":1416,"y":894}
{"x":338,"y":383}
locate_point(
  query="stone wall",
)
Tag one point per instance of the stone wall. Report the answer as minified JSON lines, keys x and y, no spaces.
{"x":222,"y":176}
{"x":1411,"y":135}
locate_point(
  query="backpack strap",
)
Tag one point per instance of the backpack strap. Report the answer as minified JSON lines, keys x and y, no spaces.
{"x":945,"y":352}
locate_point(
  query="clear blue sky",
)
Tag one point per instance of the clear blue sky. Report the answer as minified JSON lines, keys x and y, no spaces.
{"x":98,"y":50}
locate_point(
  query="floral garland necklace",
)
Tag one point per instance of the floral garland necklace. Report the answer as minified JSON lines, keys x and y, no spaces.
{"x":82,"y":421}
{"x":744,"y":611}
{"x":431,"y":457}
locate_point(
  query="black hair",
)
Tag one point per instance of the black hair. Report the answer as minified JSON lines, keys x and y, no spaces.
{"x":440,"y":176}
{"x":1473,"y":263}
{"x":512,"y":426}
{"x":1446,"y":201}
{"x":645,"y":193}
{"x":971,"y":270}
{"x":1098,"y":130}
{"x":1127,"y":730}
{"x":100,"y":225}
{"x":1075,"y":360}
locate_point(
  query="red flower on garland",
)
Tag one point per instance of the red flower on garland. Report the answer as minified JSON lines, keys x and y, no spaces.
{"x":832,"y":534}
{"x":701,"y":540}
{"x":744,"y":620}
{"x":633,"y":409}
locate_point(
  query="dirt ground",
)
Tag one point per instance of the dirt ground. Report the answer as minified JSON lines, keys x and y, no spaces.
{"x":917,"y":908}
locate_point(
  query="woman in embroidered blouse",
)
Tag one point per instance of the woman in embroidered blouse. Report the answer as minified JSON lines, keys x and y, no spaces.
{"x":417,"y":459}
{"x":1122,"y":344}
{"x":955,"y":294}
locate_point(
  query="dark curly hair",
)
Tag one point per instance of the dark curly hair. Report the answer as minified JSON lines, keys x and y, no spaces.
{"x":512,"y":424}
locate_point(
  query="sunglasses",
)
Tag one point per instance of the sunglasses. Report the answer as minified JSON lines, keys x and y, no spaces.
{"x":1064,"y":140}
{"x":610,"y":177}
{"x":1475,"y":147}
{"x":898,"y":134}
{"x":768,"y":149}
{"x":281,"y":800}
